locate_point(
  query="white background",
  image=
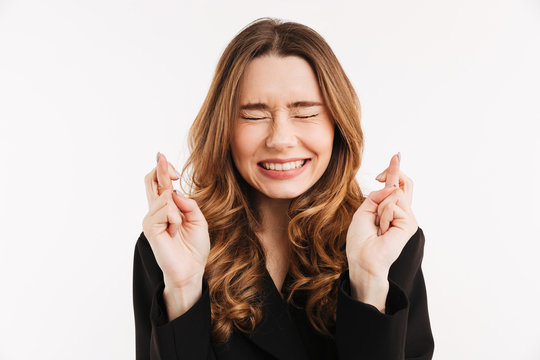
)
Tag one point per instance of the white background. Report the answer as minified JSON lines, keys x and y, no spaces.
{"x":91,"y":90}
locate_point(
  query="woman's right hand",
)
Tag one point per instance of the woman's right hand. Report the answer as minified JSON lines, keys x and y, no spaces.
{"x":175,"y":228}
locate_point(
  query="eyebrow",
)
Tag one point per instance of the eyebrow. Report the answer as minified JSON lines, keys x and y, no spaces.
{"x":263,"y":106}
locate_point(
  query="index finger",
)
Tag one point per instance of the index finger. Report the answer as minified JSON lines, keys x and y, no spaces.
{"x":163,"y":179}
{"x":392,"y":174}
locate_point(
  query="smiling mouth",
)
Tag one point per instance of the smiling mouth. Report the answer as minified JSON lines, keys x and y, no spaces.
{"x":284,"y":166}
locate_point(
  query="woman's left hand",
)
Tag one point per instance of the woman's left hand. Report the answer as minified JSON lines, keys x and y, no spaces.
{"x":381,"y":226}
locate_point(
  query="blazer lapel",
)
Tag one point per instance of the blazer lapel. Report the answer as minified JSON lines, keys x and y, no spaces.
{"x":276,"y":333}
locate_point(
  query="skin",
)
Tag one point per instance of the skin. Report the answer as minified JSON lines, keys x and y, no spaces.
{"x":178,"y":235}
{"x":372,"y":248}
{"x":177,"y":230}
{"x":280,"y":132}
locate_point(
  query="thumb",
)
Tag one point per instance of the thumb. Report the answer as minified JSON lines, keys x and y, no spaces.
{"x":175,"y":220}
{"x":363,"y":223}
{"x":188,"y":207}
{"x":374,"y":198}
{"x":173,"y":229}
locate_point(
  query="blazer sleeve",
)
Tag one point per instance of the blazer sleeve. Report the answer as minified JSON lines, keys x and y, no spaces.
{"x":404,"y":330}
{"x":187,"y":337}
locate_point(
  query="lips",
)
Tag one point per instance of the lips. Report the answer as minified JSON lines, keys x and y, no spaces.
{"x":281,"y":161}
{"x":284,"y":174}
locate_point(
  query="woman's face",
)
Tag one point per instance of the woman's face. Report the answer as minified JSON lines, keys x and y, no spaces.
{"x":283,"y":135}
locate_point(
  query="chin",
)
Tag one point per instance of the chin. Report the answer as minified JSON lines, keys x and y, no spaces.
{"x":281,"y":194}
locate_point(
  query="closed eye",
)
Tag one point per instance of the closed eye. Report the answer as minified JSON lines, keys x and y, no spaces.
{"x":300,"y":117}
{"x":305,"y":117}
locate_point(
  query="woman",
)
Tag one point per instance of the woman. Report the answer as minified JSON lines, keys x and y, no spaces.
{"x":276,"y":253}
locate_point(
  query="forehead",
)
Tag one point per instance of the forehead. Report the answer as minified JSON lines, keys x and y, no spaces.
{"x":278,"y":80}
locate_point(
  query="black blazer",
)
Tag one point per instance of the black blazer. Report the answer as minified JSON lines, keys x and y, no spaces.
{"x":362,"y":332}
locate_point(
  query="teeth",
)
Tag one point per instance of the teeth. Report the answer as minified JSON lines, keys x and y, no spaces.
{"x":285,"y":166}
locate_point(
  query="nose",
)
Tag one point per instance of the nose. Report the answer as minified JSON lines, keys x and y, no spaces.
{"x":282,"y":133}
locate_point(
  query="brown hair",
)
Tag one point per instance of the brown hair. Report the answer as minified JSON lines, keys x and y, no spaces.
{"x":319,"y":218}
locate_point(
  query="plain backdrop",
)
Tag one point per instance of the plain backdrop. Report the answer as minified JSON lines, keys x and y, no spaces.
{"x":91,"y":90}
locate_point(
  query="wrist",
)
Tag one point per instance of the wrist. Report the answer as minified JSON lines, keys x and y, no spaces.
{"x":364,"y":276}
{"x":179,"y":300}
{"x":369,"y":288}
{"x":191,"y":282}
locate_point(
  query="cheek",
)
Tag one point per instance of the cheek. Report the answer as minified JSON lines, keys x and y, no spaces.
{"x":243,"y":144}
{"x":322,"y":140}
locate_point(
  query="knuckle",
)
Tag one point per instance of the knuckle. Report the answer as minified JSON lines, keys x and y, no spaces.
{"x":166,"y":193}
{"x":144,"y":221}
{"x":149,"y":175}
{"x":404,"y":176}
{"x":162,"y":200}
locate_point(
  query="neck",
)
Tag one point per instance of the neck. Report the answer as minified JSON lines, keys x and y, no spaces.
{"x":273,"y":213}
{"x":273,"y":236}
{"x":274,"y":221}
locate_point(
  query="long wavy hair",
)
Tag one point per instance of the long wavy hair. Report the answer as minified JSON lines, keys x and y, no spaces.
{"x":318,"y":218}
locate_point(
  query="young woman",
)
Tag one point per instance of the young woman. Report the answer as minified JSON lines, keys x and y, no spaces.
{"x":275,"y":253}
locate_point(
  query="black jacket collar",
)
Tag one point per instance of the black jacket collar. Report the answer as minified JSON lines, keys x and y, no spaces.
{"x":277,"y":333}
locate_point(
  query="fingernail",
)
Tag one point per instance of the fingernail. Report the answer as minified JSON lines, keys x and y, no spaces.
{"x":179,"y":193}
{"x":380,"y":176}
{"x":157,"y":157}
{"x":399,"y":156}
{"x":390,"y":185}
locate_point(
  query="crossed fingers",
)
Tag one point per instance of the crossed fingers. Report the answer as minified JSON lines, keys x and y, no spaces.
{"x":398,"y":203}
{"x":159,"y":179}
